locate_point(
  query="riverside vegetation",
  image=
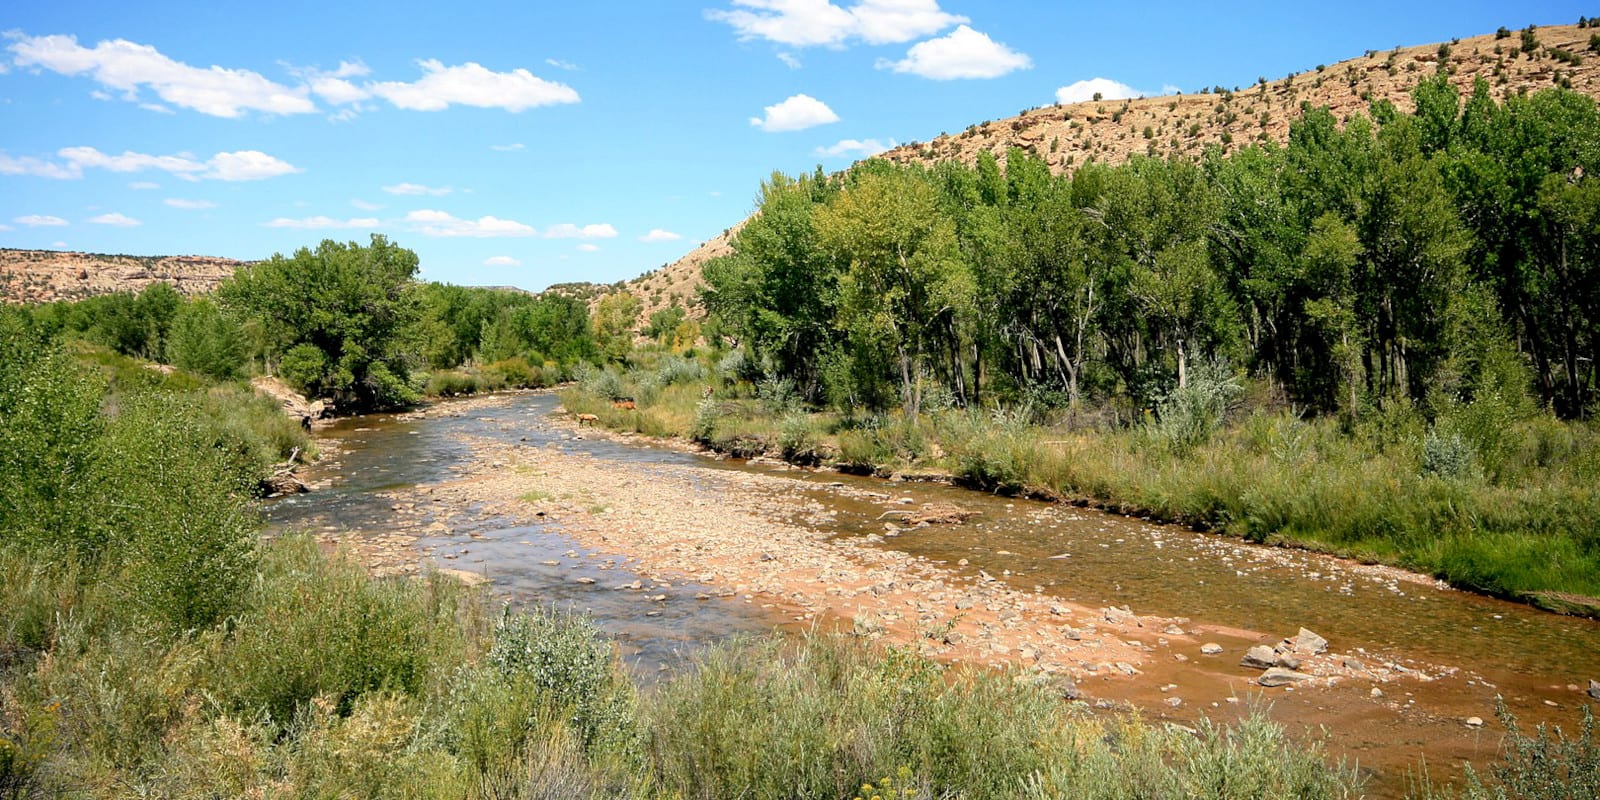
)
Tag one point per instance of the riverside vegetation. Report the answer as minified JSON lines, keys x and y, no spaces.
{"x":1378,"y":341}
{"x":151,"y":644}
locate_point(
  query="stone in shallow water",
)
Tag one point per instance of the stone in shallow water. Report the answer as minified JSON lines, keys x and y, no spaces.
{"x":1278,"y":676}
{"x":1211,"y":648}
{"x":1260,"y":657}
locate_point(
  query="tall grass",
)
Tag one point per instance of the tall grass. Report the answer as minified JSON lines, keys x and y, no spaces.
{"x":1488,"y":498}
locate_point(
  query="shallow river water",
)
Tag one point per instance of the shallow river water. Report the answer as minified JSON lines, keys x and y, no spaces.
{"x":1465,"y":650}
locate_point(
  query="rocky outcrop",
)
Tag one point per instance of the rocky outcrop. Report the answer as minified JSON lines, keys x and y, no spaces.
{"x":43,"y":276}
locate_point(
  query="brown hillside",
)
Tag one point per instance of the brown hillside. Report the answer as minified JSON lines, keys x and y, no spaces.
{"x":1109,"y":131}
{"x":41,"y":276}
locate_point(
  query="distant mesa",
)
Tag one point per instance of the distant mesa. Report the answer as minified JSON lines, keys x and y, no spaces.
{"x":43,"y":276}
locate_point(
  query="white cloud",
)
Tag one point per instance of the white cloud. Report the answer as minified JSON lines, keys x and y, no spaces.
{"x":246,"y":165}
{"x":189,"y":205}
{"x":418,"y":190}
{"x":364,"y":205}
{"x":116,"y":219}
{"x":795,"y":114}
{"x":964,"y":53}
{"x":129,"y":67}
{"x":559,"y":64}
{"x":241,"y":165}
{"x":659,"y":235}
{"x":589,"y":248}
{"x":807,"y":23}
{"x":338,"y":90}
{"x":439,"y":223}
{"x":567,"y":230}
{"x":28,"y":165}
{"x":1086,"y":90}
{"x":3,"y":226}
{"x":40,"y":221}
{"x":859,"y":148}
{"x":471,"y":84}
{"x":508,"y":148}
{"x":321,"y":223}
{"x":501,"y":261}
{"x":789,"y":60}
{"x":143,"y":186}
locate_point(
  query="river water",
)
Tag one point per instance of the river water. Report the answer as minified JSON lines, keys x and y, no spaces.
{"x":1466,"y":650}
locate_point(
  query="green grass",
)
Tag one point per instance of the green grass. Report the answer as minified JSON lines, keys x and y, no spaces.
{"x":1520,"y":518}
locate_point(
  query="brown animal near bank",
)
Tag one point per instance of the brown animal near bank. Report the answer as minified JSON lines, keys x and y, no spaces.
{"x":587,"y":419}
{"x":625,"y":404}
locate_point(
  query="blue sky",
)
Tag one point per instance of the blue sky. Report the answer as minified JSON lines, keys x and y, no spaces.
{"x":534,"y":143}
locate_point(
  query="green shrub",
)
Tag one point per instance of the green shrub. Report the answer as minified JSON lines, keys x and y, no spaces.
{"x":569,"y":665}
{"x":451,"y":383}
{"x":1548,"y":765}
{"x":1187,"y":416}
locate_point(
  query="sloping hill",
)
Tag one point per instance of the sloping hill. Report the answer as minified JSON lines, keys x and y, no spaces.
{"x":1109,"y":131}
{"x":41,"y":276}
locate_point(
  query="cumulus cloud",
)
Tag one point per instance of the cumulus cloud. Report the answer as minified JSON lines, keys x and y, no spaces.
{"x":795,"y":114}
{"x":129,"y":68}
{"x":809,"y":23}
{"x":501,"y":261}
{"x":964,"y":53}
{"x":418,"y":190}
{"x":858,"y":148}
{"x":116,"y":219}
{"x":429,"y":222}
{"x":1108,"y":89}
{"x":322,"y":223}
{"x":40,"y":221}
{"x":189,"y":205}
{"x":471,"y":84}
{"x":567,"y":230}
{"x":659,"y":235}
{"x":241,"y":165}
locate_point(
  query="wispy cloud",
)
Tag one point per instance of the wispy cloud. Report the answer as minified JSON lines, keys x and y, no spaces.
{"x":559,"y":64}
{"x":418,"y":190}
{"x":189,"y":205}
{"x":240,"y":165}
{"x":567,"y":230}
{"x":430,"y":222}
{"x":508,"y":148}
{"x":659,"y":235}
{"x":116,"y":220}
{"x":322,"y":223}
{"x":40,"y":221}
{"x":858,"y":148}
{"x":795,"y":114}
{"x":501,"y":261}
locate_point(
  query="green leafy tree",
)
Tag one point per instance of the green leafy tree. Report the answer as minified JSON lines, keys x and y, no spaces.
{"x":616,"y":321}
{"x":334,"y":318}
{"x":206,"y":341}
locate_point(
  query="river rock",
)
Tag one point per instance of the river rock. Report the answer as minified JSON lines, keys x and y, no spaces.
{"x":1210,"y":648}
{"x":1474,"y":722}
{"x":1288,"y":661}
{"x":1309,"y":643}
{"x":1278,"y":676}
{"x":1594,"y":689}
{"x":1260,"y":657}
{"x":1118,"y":616}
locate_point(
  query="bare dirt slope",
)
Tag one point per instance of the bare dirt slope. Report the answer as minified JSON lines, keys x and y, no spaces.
{"x":42,"y":276}
{"x":1109,"y":131}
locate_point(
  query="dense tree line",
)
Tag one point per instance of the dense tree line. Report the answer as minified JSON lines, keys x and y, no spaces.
{"x":1430,"y":257}
{"x":345,"y":321}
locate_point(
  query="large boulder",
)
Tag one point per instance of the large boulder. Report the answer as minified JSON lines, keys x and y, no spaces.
{"x":1260,"y":657}
{"x":1309,"y":643}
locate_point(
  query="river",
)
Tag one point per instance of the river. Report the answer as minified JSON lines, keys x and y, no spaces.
{"x":1417,"y":660}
